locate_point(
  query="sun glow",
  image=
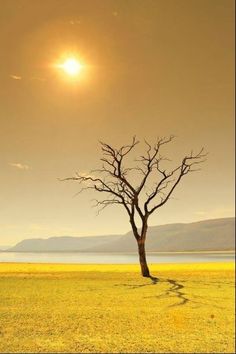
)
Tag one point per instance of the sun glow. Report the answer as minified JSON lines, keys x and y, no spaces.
{"x":71,"y":66}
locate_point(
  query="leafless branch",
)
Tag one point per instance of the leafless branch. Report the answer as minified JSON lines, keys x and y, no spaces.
{"x":114,"y":179}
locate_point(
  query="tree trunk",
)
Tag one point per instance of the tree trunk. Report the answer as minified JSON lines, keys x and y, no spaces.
{"x":142,"y":258}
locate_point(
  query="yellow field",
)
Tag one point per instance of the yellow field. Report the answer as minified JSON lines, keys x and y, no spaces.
{"x":104,"y":308}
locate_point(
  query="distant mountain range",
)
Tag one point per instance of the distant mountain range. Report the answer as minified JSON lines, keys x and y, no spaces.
{"x":207,"y":235}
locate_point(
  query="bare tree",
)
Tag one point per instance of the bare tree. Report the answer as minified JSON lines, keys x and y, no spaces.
{"x":114,"y":180}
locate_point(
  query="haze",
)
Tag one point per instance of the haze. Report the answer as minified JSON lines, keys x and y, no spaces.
{"x":152,"y":68}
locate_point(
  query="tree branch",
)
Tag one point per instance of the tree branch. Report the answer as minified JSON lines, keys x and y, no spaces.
{"x":116,"y":183}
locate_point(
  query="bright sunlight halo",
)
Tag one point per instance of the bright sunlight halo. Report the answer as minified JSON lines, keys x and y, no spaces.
{"x":71,"y":66}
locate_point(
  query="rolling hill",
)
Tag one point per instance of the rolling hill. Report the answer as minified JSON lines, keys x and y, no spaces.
{"x":207,"y":235}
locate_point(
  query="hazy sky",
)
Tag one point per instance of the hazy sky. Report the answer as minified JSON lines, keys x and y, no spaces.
{"x":151,"y":68}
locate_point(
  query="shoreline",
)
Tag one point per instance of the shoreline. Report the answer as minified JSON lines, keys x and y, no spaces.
{"x":134,"y":252}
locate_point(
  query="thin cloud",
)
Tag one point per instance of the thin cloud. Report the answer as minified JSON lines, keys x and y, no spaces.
{"x":16,"y":77}
{"x":18,"y":165}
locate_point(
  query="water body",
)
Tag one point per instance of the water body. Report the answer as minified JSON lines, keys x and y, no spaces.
{"x":114,"y":258}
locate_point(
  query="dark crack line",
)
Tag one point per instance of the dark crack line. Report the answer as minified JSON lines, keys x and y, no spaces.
{"x":174,"y":290}
{"x":153,"y":279}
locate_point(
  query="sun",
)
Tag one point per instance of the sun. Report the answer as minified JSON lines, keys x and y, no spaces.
{"x":71,"y":66}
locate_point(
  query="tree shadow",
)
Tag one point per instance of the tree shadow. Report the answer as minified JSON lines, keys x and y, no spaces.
{"x":175,"y":290}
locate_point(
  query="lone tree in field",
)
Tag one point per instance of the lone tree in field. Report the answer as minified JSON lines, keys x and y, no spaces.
{"x":139,"y":199}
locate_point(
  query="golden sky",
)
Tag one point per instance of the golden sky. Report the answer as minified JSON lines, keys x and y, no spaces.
{"x":151,"y":68}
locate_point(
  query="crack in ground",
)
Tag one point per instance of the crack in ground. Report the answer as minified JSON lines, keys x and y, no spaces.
{"x":174,"y":290}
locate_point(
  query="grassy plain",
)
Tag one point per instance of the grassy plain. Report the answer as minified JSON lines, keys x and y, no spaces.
{"x":111,"y":308}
